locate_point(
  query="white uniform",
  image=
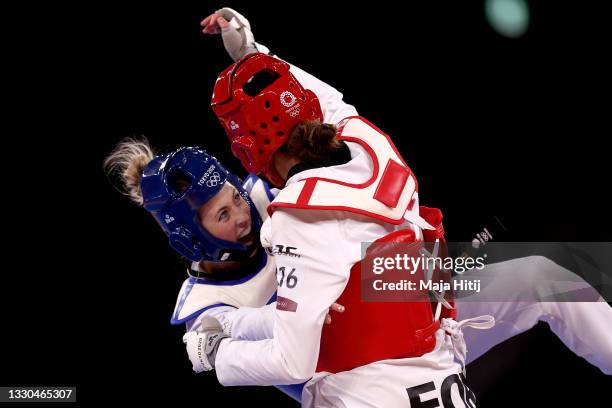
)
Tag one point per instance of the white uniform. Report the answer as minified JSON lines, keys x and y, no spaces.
{"x":332,"y":103}
{"x":231,"y":302}
{"x":240,"y":305}
{"x":314,"y":251}
{"x":435,"y":370}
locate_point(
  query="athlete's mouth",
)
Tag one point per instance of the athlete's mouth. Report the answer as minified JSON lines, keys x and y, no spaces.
{"x":247,"y":238}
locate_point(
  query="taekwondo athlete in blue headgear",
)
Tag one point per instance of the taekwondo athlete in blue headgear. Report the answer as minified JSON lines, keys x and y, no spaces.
{"x":175,"y":186}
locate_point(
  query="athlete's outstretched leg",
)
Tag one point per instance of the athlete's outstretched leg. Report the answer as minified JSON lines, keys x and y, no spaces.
{"x":584,"y":327}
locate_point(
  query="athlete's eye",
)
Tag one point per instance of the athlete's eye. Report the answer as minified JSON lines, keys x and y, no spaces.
{"x":223,"y":215}
{"x":236,"y":196}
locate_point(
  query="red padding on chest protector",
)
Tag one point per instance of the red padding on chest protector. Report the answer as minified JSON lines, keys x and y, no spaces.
{"x":391,"y":184}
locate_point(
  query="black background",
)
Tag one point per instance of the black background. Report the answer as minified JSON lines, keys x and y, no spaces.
{"x":490,"y":126}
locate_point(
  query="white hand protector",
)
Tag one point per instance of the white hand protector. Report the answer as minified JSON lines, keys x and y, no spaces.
{"x":238,"y":38}
{"x":202,"y":345}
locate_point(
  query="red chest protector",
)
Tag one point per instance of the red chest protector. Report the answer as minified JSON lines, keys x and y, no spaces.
{"x":372,"y":331}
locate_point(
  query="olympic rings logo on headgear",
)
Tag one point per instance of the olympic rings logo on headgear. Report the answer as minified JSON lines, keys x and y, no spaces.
{"x":287,"y":99}
{"x":213,"y":180}
{"x":294,"y":112}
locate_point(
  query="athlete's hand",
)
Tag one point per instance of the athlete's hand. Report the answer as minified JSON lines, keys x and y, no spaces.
{"x":336,"y":308}
{"x":214,"y":23}
{"x":235,"y":30}
{"x":202,"y":344}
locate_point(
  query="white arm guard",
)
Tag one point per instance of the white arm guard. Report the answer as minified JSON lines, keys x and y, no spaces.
{"x":238,"y":38}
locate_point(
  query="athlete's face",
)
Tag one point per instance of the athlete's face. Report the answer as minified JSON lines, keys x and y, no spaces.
{"x":227,"y":216}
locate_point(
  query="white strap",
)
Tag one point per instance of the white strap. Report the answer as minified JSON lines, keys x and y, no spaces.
{"x":417,"y":220}
{"x":454,"y":329}
{"x":428,"y":274}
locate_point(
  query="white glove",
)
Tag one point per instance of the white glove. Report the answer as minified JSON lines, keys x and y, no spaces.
{"x":202,"y":345}
{"x":237,"y":36}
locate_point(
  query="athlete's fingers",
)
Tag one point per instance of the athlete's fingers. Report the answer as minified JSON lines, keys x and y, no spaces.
{"x":212,"y":27}
{"x":336,"y":307}
{"x":206,"y":21}
{"x":327,"y":319}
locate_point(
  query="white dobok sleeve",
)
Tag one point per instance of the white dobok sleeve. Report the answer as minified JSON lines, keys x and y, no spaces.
{"x":333,"y":106}
{"x":313,"y":257}
{"x":245,"y":323}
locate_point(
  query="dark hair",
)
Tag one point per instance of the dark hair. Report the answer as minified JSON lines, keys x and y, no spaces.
{"x":311,"y":142}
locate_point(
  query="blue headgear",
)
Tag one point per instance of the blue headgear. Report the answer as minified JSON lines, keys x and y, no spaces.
{"x":176,"y":211}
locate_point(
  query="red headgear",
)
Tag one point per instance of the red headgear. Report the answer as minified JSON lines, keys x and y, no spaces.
{"x":258,"y":102}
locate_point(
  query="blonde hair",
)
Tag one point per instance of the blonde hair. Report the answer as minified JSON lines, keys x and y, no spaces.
{"x":127,"y":160}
